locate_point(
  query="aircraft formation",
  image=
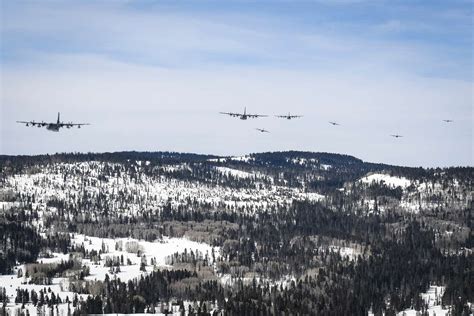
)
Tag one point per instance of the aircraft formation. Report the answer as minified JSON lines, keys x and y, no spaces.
{"x":56,"y":126}
{"x":245,"y":116}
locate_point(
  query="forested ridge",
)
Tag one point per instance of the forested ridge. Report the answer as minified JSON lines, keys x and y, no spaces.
{"x":296,"y":232}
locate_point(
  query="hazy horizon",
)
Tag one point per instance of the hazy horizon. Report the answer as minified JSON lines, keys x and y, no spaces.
{"x":230,"y":155}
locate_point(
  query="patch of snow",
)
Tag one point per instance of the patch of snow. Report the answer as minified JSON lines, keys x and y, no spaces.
{"x":388,"y":180}
{"x":433,"y":299}
{"x":242,"y":158}
{"x":325,"y":167}
{"x":177,"y":167}
{"x":235,"y":172}
{"x":158,"y":251}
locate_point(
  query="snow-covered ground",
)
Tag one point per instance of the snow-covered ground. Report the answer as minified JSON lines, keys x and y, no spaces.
{"x":388,"y":180}
{"x":433,"y":299}
{"x":418,"y":195}
{"x":245,"y":158}
{"x":157,"y":251}
{"x":285,"y":282}
{"x":176,"y":167}
{"x":11,"y":283}
{"x":345,"y":252}
{"x":129,"y":194}
{"x":235,"y":173}
{"x":302,"y":161}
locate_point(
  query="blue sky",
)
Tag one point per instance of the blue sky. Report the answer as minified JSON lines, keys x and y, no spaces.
{"x":151,"y":75}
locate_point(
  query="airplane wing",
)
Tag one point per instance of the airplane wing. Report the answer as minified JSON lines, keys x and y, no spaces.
{"x":32,"y":123}
{"x":288,"y":116}
{"x":231,"y":114}
{"x":72,"y":124}
{"x":255,"y":115}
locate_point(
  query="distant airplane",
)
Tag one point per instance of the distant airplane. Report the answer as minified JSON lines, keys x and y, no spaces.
{"x":261,"y":130}
{"x":244,"y":115}
{"x":334,"y":123}
{"x":448,"y":121}
{"x":289,"y":116}
{"x":54,"y":127}
{"x":396,"y":136}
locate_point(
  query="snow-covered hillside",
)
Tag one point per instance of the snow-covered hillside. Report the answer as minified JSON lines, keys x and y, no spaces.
{"x":135,"y":258}
{"x":129,"y":193}
{"x":417,"y":194}
{"x":282,"y":233}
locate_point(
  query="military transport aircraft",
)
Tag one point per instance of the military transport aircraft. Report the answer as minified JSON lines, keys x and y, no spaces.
{"x":334,"y":123}
{"x":396,"y":136}
{"x":243,"y":116}
{"x":54,"y":127}
{"x":262,"y":130}
{"x":289,"y":116}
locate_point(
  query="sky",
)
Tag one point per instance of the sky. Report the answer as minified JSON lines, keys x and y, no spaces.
{"x":154,"y":75}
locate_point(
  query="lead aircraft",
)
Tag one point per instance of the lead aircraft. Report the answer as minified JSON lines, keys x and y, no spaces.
{"x":54,"y":127}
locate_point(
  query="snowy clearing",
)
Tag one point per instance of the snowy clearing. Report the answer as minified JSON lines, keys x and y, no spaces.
{"x":388,"y":180}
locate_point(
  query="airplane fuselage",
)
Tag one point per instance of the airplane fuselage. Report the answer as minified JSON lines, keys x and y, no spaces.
{"x":53,"y":127}
{"x":243,"y":117}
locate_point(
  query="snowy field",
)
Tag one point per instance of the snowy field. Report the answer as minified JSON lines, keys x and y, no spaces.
{"x":157,"y":251}
{"x":386,"y":180}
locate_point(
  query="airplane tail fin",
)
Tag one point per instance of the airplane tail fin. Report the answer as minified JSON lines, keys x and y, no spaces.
{"x":245,"y":110}
{"x":59,"y":115}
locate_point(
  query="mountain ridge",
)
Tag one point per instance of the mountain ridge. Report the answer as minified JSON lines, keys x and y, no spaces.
{"x":131,"y":154}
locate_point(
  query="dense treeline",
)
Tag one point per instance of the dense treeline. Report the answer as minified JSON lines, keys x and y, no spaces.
{"x":21,"y":243}
{"x":18,"y":243}
{"x":391,"y":280}
{"x":114,"y":296}
{"x":401,"y":265}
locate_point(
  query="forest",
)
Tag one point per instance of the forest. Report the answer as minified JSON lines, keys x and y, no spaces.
{"x":280,"y":223}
